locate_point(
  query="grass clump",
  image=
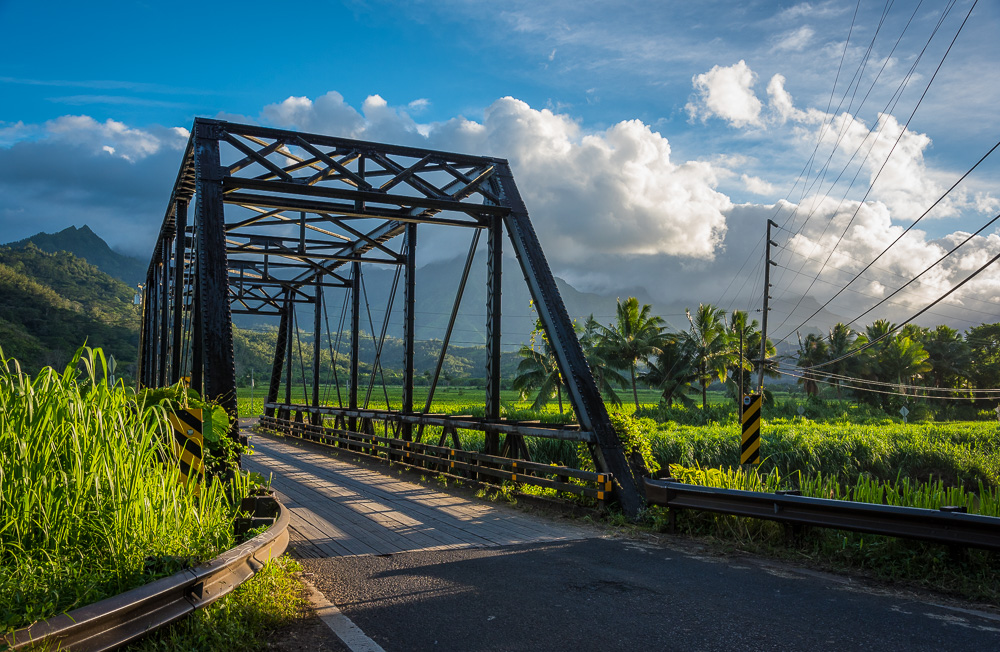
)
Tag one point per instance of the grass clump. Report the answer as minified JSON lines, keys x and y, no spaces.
{"x":242,"y":620}
{"x":89,"y":492}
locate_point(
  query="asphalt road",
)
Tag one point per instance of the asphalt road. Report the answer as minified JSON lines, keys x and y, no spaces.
{"x":618,"y":594}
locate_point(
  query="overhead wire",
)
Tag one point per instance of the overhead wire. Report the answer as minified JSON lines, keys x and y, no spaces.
{"x":892,"y":149}
{"x":918,"y":314}
{"x":887,"y":109}
{"x":885,"y":299}
{"x":890,"y":105}
{"x":884,"y":392}
{"x":808,"y":163}
{"x":836,"y":376}
{"x":900,"y":236}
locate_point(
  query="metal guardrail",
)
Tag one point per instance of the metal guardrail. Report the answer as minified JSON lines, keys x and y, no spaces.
{"x":947,"y":525}
{"x":123,"y":618}
{"x":449,"y":461}
{"x":569,"y":432}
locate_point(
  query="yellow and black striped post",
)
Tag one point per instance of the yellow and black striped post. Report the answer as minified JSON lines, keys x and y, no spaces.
{"x":750,"y":448}
{"x":188,"y":442}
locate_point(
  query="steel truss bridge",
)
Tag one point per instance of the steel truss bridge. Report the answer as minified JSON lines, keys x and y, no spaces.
{"x":283,"y":221}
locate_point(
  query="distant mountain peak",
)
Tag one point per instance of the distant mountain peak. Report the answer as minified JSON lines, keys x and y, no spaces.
{"x":84,"y":243}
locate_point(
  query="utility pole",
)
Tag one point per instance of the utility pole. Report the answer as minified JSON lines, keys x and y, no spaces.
{"x":767,"y":295}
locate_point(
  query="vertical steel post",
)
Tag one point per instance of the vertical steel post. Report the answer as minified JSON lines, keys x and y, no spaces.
{"x":289,"y":352}
{"x":213,"y":273}
{"x":142,"y":373}
{"x":197,"y":327}
{"x":355,"y":341}
{"x":279,"y":360}
{"x":180,"y":224}
{"x":317,"y":348}
{"x":494,"y":262}
{"x":152,"y":317}
{"x":767,"y":295}
{"x":739,"y":396}
{"x":164,"y":312}
{"x":409,"y":320}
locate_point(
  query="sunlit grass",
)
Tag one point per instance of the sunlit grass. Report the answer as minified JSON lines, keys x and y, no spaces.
{"x":89,"y":493}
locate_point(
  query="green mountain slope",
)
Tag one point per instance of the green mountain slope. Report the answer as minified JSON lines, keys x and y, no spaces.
{"x":50,"y":303}
{"x":86,"y":244}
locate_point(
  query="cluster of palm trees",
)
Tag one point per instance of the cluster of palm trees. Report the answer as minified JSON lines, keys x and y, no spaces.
{"x":638,"y":348}
{"x":882,"y":360}
{"x":873,"y":365}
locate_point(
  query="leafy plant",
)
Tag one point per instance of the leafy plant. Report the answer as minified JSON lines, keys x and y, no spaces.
{"x":89,"y":493}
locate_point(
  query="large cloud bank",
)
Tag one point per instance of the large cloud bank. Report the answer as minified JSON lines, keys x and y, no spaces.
{"x":614,"y":208}
{"x":610,"y":192}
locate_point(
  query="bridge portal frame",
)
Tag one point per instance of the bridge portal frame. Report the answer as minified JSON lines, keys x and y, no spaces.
{"x":263,"y":261}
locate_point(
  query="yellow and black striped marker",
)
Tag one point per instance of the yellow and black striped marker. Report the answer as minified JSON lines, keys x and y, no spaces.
{"x":188,"y":441}
{"x":750,"y":449}
{"x":603,"y":485}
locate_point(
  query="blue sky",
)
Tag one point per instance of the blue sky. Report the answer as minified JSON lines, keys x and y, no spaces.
{"x":652,"y":139}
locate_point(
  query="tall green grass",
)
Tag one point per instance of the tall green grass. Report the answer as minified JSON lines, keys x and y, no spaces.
{"x":961,"y":454}
{"x":89,"y":494}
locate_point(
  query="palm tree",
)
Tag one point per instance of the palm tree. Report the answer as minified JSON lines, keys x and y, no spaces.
{"x":635,"y":335}
{"x":599,"y":358}
{"x":839,"y":344}
{"x":812,"y":352}
{"x":709,"y":346}
{"x":903,"y":359}
{"x":948,"y":355}
{"x":740,"y":322}
{"x":671,"y":371}
{"x":538,"y":371}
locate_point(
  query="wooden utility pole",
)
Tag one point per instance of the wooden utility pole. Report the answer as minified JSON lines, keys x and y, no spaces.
{"x":767,"y":295}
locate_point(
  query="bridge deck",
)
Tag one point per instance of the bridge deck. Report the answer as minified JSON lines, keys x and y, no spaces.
{"x":340,"y":509}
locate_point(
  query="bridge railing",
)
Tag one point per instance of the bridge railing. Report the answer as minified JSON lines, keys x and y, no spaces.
{"x":365,"y":439}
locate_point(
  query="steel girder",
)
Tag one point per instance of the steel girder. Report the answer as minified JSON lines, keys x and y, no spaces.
{"x":281,"y":215}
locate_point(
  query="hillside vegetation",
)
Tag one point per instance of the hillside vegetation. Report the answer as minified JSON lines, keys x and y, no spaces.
{"x":50,"y":303}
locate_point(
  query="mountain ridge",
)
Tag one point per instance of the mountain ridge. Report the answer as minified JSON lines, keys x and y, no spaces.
{"x":84,"y":243}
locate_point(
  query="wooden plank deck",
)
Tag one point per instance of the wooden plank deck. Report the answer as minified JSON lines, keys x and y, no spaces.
{"x":340,"y":509}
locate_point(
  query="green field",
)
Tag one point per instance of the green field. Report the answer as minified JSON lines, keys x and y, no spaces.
{"x":857,"y":443}
{"x":447,"y":400}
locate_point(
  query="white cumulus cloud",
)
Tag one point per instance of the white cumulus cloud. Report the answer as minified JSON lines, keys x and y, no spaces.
{"x":727,"y":92}
{"x":113,"y":137}
{"x":611,"y":191}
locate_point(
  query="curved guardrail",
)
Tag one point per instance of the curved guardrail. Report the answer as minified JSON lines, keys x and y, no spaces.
{"x":949,"y":525}
{"x":118,"y":620}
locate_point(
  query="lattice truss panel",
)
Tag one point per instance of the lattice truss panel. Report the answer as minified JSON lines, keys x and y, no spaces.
{"x":309,"y":205}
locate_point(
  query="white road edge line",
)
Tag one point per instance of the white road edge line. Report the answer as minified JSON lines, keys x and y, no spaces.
{"x":342,"y":626}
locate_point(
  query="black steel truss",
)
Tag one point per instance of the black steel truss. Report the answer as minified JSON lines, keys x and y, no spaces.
{"x":280,"y":217}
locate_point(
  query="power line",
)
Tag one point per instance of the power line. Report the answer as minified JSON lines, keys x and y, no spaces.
{"x":845,"y":377}
{"x":890,"y":103}
{"x":899,"y":326}
{"x":884,"y":392}
{"x":898,"y":238}
{"x":896,"y":95}
{"x":990,"y":314}
{"x":893,"y":149}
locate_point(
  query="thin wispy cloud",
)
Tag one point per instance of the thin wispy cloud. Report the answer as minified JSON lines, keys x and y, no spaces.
{"x":82,"y":100}
{"x":107,"y":84}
